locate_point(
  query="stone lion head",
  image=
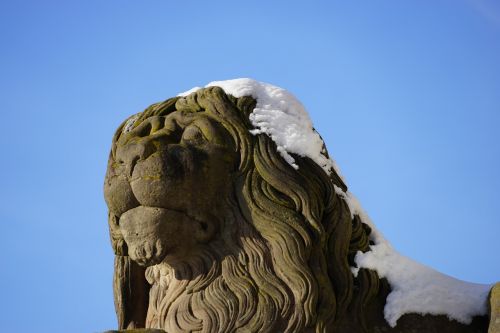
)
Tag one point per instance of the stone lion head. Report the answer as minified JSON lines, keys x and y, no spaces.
{"x":227,"y":234}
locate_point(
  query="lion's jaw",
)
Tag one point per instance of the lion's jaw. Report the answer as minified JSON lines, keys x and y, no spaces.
{"x":152,"y":233}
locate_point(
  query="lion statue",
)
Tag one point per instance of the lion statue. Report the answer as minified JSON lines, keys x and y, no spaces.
{"x":215,"y":231}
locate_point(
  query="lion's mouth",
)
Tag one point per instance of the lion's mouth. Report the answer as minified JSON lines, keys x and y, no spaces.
{"x":148,"y":232}
{"x":153,"y":233}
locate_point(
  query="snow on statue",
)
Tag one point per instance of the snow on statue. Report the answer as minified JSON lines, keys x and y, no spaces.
{"x":226,"y":214}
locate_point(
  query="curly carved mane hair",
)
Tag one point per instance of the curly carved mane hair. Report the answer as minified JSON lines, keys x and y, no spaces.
{"x":283,"y":260}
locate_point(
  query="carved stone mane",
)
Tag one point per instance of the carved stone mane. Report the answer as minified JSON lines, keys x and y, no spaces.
{"x":214,"y":231}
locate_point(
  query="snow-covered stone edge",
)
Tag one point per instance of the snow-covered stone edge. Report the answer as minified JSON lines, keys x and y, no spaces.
{"x":416,"y":288}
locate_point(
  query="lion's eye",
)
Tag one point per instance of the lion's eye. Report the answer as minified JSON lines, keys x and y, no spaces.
{"x":193,"y":135}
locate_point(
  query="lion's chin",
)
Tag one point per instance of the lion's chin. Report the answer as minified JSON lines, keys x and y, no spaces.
{"x":148,"y":253}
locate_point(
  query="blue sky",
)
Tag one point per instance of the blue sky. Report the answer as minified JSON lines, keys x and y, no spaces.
{"x":406,"y":95}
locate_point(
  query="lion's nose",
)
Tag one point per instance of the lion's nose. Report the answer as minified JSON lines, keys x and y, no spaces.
{"x":132,"y":153}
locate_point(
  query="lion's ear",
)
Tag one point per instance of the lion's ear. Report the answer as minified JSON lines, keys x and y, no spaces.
{"x":203,"y":231}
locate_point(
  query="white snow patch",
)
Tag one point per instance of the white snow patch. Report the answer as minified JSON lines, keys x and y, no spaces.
{"x":282,"y":117}
{"x":420,"y":289}
{"x":189,"y":92}
{"x":415,"y":288}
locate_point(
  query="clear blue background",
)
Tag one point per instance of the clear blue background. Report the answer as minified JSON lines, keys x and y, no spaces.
{"x":405,"y":93}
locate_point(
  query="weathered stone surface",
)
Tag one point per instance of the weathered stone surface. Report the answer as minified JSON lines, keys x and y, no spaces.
{"x":495,"y":309}
{"x":214,"y":232}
